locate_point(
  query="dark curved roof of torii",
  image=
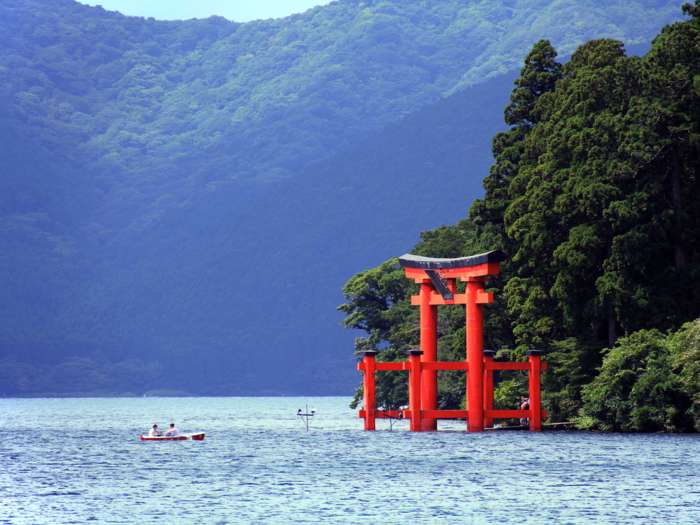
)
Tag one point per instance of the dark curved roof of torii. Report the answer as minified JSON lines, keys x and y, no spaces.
{"x":416,"y":261}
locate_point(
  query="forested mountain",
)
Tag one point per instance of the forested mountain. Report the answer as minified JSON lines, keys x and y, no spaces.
{"x":594,"y":195}
{"x":180,"y":202}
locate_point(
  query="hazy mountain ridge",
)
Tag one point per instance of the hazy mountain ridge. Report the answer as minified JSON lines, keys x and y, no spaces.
{"x":198,"y":101}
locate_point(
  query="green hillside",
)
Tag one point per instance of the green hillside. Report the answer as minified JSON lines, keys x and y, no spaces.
{"x":169,"y":107}
{"x":180,"y":202}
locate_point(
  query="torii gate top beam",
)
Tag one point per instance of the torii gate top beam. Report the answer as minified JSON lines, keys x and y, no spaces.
{"x":479,"y":265}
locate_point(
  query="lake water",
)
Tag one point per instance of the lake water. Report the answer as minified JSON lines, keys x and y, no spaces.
{"x":81,"y":461}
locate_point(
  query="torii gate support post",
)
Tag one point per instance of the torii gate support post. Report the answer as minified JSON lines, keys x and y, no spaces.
{"x":369,"y":388}
{"x":428,"y":345}
{"x":414,"y":388}
{"x":488,"y":387}
{"x":535,"y":384}
{"x":475,"y":354}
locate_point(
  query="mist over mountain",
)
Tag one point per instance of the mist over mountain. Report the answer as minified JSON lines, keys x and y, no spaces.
{"x":181,"y":202}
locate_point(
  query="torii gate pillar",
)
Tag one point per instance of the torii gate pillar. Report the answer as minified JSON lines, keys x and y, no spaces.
{"x":428,"y":345}
{"x":475,"y":354}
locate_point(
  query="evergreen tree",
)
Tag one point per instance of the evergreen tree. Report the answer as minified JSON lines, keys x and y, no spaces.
{"x":664,"y":140}
{"x":537,"y":77}
{"x":556,"y":219}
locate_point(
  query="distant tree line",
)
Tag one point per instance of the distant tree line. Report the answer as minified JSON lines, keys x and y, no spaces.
{"x":594,"y":195}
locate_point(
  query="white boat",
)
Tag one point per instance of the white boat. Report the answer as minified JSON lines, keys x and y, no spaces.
{"x":196,"y":436}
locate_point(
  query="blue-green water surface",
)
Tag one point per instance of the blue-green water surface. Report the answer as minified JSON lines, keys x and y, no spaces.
{"x":81,"y":461}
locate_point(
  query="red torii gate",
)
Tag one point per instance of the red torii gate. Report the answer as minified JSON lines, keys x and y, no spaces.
{"x":423,"y":364}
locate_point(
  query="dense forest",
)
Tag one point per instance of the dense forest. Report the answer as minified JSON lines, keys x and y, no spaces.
{"x":181,"y":202}
{"x":594,"y":195}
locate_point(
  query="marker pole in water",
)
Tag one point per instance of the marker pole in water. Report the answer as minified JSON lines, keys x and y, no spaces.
{"x":305,"y":417}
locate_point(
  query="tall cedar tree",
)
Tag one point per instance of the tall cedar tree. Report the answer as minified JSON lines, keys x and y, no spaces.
{"x":604,"y":205}
{"x":653,"y":275}
{"x":537,"y":78}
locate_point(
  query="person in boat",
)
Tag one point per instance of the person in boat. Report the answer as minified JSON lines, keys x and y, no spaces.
{"x":173,"y":431}
{"x":153,"y":432}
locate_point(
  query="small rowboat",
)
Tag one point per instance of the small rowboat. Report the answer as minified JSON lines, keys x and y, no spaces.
{"x":197,"y":436}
